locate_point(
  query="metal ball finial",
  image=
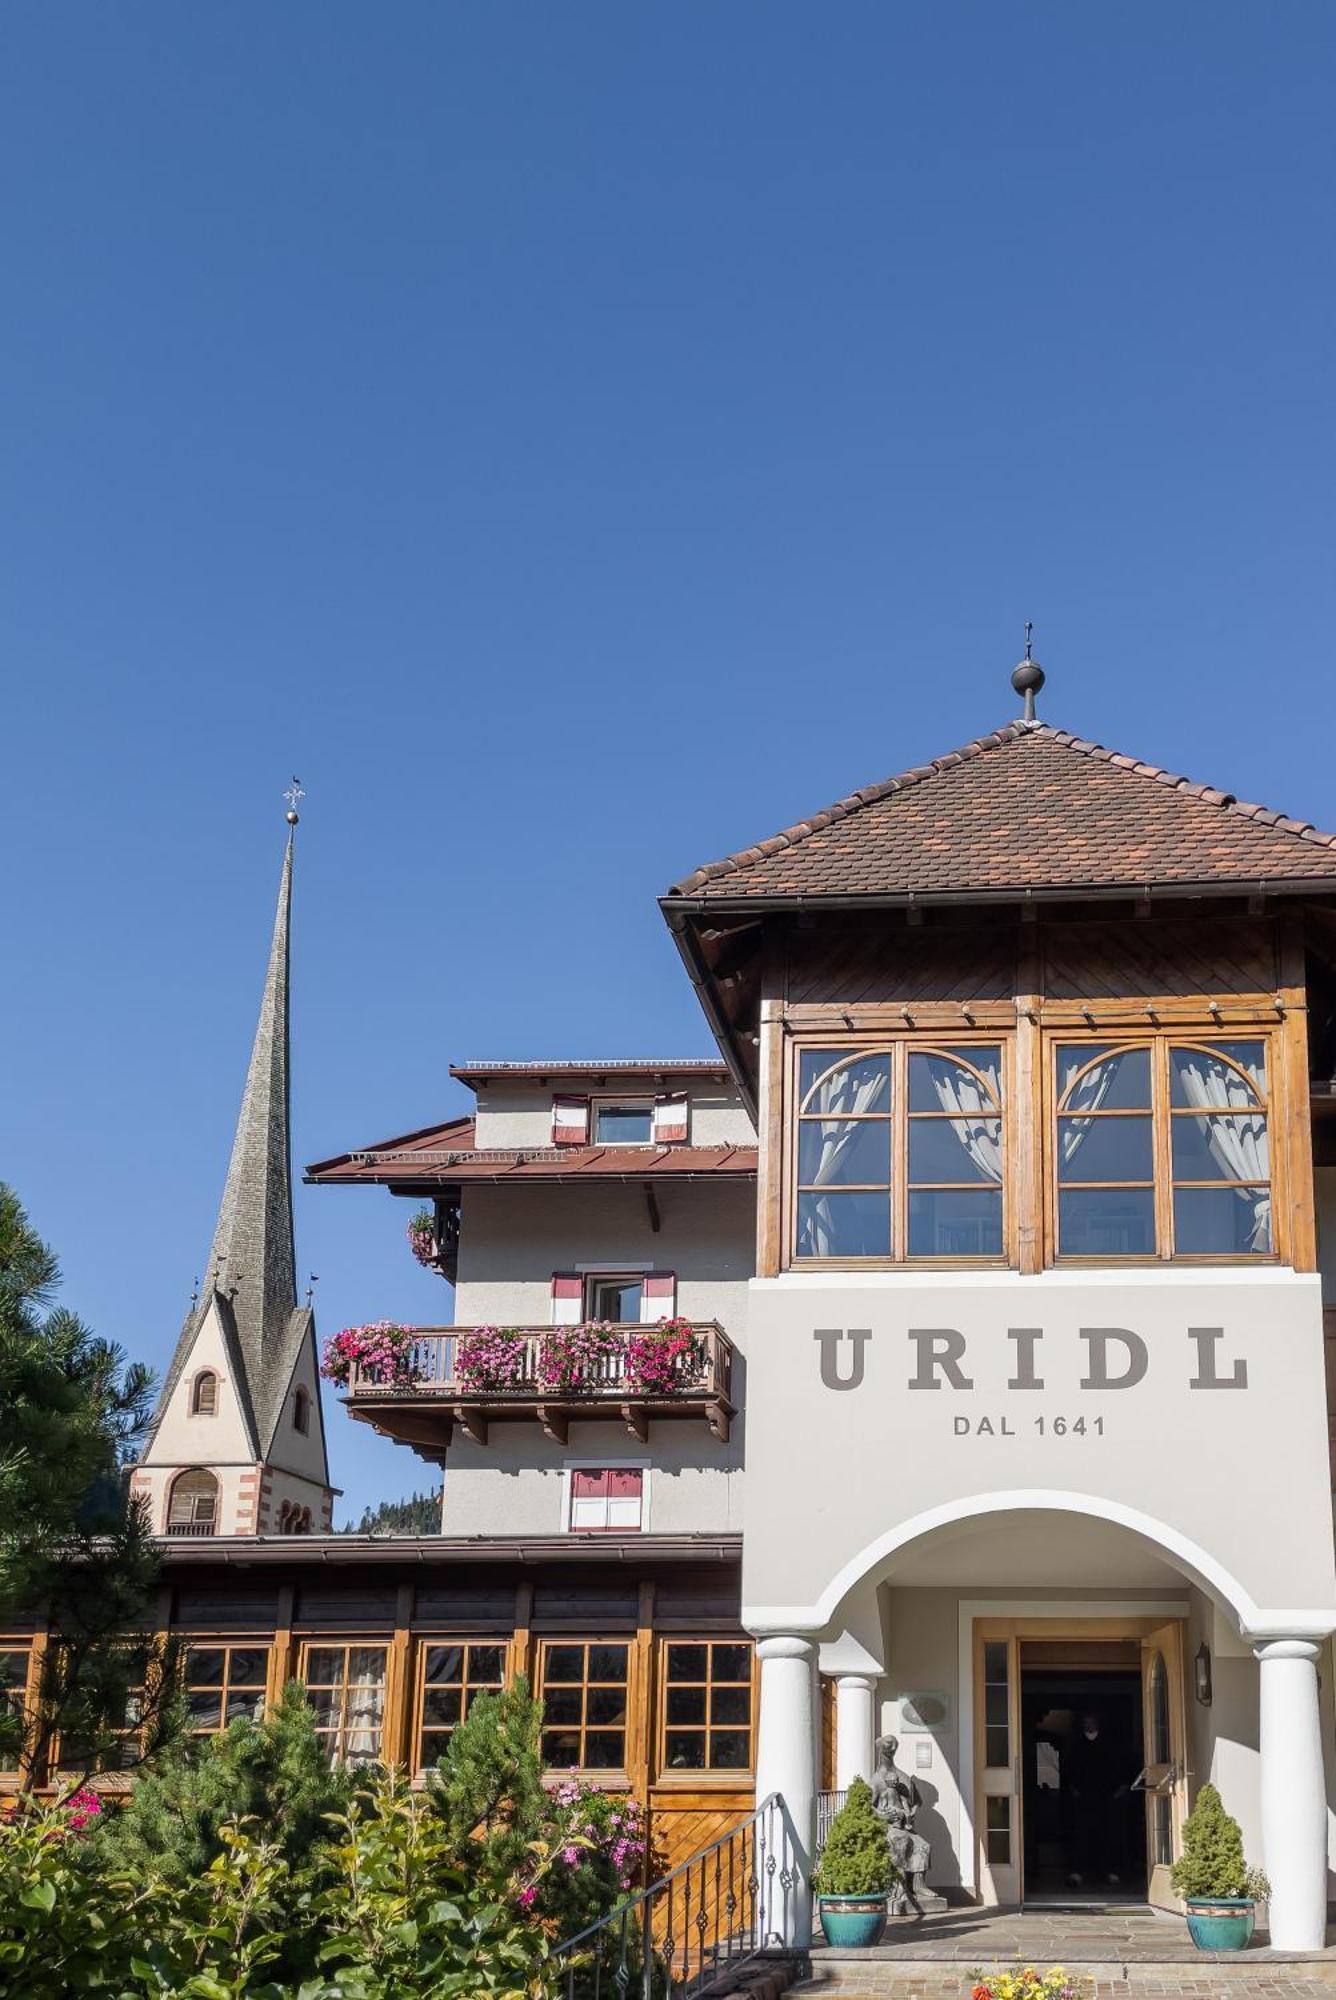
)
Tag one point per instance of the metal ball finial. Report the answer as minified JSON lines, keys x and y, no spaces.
{"x":1028,"y":678}
{"x":292,"y":818}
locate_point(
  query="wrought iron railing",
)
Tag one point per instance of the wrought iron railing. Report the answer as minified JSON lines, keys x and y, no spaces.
{"x":721,"y":1908}
{"x":827,"y":1805}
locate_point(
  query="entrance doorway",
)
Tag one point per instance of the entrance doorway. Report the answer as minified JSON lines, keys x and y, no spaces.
{"x":1082,"y":1756}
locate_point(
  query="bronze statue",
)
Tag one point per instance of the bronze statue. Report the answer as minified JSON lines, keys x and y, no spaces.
{"x":896,"y":1800}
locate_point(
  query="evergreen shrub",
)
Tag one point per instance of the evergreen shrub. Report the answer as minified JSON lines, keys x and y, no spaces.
{"x":857,"y":1860}
{"x":1212,"y":1862}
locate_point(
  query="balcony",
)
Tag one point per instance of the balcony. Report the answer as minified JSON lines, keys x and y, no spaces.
{"x":424,"y":1411}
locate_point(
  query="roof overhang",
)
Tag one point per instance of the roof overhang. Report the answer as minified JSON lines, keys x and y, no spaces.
{"x":353,"y":1551}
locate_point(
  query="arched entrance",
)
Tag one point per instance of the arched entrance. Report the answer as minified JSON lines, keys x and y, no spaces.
{"x":1048,"y":1640}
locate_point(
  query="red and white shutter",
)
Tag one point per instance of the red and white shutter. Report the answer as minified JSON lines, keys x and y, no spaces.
{"x":626,"y":1490}
{"x":670,"y":1119}
{"x":607,"y":1497}
{"x":589,"y":1497}
{"x":570,"y":1121}
{"x":658,"y":1296}
{"x":567,"y":1296}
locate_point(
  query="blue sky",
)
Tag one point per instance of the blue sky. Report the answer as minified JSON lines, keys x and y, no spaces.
{"x":579,"y":440}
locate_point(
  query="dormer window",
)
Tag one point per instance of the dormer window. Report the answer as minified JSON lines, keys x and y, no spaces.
{"x":204,"y":1394}
{"x":301,"y":1412}
{"x":623,"y":1124}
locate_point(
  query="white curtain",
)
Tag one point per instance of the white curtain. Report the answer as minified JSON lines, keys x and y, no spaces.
{"x":1087,"y":1094}
{"x":974,"y":1109}
{"x":1236,"y":1133}
{"x":845,"y":1094}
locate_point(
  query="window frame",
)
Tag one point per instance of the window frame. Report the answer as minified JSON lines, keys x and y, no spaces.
{"x":1161,"y":1042}
{"x":192,"y":1527}
{"x":197,"y":1382}
{"x":423,"y":1642}
{"x":730,"y":1774}
{"x":230,"y":1643}
{"x":301,"y":1410}
{"x":620,"y":1103}
{"x":16,"y":1696}
{"x":934,"y":1039}
{"x":627,"y":1641}
{"x":610,"y":1275}
{"x":310,"y":1642}
{"x":573,"y":1465}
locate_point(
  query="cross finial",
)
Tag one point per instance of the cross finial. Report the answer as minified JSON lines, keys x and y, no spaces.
{"x":1028,"y":677}
{"x":1029,"y":628}
{"x":292,"y":794}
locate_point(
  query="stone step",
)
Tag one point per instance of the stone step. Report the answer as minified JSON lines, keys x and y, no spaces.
{"x":883,"y":1975}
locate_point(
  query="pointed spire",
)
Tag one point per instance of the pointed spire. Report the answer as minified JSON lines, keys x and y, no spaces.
{"x":252,"y":1262}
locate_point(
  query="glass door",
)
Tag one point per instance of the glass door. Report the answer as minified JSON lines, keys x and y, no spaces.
{"x":997,"y":1759}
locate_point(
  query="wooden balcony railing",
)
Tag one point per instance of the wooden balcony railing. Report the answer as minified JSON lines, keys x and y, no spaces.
{"x":424,"y":1411}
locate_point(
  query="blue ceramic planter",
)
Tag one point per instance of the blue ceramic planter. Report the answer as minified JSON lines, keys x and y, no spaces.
{"x":853,"y":1921}
{"x":1220,"y":1923}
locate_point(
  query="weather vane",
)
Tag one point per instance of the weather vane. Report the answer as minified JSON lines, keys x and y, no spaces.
{"x":292,"y":794}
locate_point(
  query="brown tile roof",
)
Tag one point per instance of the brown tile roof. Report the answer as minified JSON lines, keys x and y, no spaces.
{"x":644,"y":1068}
{"x":1028,"y":807}
{"x":445,"y":1155}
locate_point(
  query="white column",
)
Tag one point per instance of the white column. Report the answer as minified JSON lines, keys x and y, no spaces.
{"x":1294,"y":1794}
{"x":786,"y":1764}
{"x":853,"y":1728}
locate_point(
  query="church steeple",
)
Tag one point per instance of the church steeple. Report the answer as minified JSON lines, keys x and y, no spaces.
{"x":238,"y":1428}
{"x":252,"y":1262}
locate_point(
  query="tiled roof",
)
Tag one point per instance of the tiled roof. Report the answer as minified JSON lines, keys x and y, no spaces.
{"x":641,"y":1066}
{"x":1028,"y":807}
{"x":446,"y":1155}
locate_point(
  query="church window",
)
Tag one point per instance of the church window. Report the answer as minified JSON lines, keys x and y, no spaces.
{"x":192,"y":1508}
{"x":14,"y":1662}
{"x":301,"y":1411}
{"x":707,"y":1705}
{"x":204,"y":1394}
{"x":222,"y":1683}
{"x":453,"y":1672}
{"x":584,"y":1688}
{"x":345,"y":1685}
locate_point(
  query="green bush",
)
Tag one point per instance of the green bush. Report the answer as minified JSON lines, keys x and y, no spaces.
{"x":857,"y":1860}
{"x":1212,"y":1862}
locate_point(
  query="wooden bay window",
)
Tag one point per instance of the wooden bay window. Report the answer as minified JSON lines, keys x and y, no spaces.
{"x":15,"y":1662}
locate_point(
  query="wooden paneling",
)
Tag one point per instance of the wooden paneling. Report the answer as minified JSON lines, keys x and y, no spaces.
{"x":1158,"y":956}
{"x":883,"y":961}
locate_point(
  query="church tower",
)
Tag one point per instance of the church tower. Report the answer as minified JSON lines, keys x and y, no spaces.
{"x":237,"y":1445}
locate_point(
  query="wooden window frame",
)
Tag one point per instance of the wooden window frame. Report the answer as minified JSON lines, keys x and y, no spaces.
{"x":230,"y":1642}
{"x":301,"y":1410}
{"x":731,"y":1774}
{"x":626,"y":1640}
{"x":929,"y":1040}
{"x":331,"y":1641}
{"x":190,"y":1472}
{"x":1178,"y":1034}
{"x":197,"y":1382}
{"x":17,"y":1696}
{"x":424,"y":1642}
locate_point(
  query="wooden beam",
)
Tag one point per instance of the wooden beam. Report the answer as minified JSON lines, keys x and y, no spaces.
{"x":636,"y":1419}
{"x":770,"y":1172}
{"x":652,"y":1208}
{"x":1294,"y":1142}
{"x":718,"y":1417}
{"x":555,"y":1422}
{"x":472,"y":1422}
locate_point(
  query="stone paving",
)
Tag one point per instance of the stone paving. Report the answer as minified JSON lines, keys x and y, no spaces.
{"x":1125,"y":1952}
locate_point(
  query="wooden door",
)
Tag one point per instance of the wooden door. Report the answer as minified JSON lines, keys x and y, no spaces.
{"x":1163,"y":1777}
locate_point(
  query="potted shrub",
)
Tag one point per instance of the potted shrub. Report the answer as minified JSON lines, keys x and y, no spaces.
{"x":855,"y":1873}
{"x":1220,"y":1890}
{"x":422,"y":1237}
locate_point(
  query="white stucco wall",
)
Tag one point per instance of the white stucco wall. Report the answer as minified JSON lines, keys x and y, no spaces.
{"x":515,"y":1484}
{"x":513,"y":1239}
{"x":520,"y":1113}
{"x":1238,"y":1475}
{"x":291,"y":1450}
{"x":183,"y":1439}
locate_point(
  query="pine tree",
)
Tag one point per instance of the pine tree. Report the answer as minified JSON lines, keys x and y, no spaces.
{"x":72,"y":1548}
{"x":274,"y":1771}
{"x":1211,"y":1863}
{"x":488,"y":1785}
{"x":856,"y":1860}
{"x":418,"y":1515}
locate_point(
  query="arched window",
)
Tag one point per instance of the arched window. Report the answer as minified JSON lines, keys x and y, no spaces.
{"x":301,"y":1412}
{"x":192,"y":1508}
{"x":204,"y":1394}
